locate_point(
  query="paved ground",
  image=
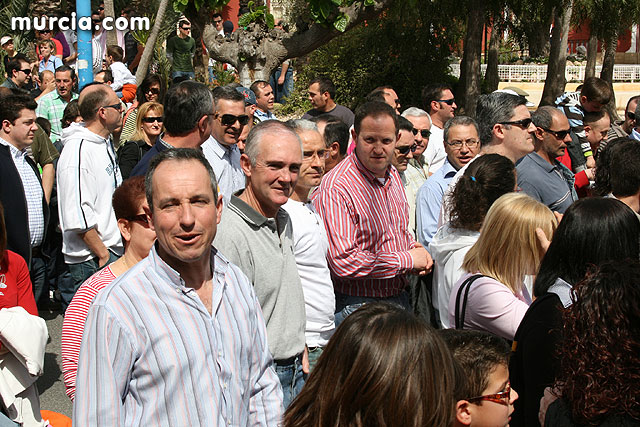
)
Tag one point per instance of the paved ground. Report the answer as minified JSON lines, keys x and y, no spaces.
{"x":50,"y":385}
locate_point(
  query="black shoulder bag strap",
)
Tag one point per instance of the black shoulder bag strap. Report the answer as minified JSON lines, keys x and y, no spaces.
{"x":465,"y":287}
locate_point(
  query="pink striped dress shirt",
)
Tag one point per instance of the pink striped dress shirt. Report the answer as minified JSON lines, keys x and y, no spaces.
{"x":367,"y":225}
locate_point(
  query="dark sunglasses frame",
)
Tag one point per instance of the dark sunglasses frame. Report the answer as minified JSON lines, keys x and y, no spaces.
{"x":524,"y":123}
{"x":153,"y":119}
{"x":117,"y":107}
{"x":560,"y":134}
{"x":405,"y":150}
{"x":631,"y":116}
{"x":26,"y":72}
{"x":153,"y":91}
{"x":426,"y":133}
{"x":447,"y":101}
{"x":230,"y":119}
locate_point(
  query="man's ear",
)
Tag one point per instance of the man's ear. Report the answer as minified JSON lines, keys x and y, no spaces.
{"x":463,"y":413}
{"x":245,"y":164}
{"x":583,"y":99}
{"x":334,"y":148}
{"x":538,"y":133}
{"x":587,"y":129}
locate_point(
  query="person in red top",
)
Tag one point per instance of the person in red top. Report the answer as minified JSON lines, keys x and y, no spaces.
{"x":366,"y":215}
{"x":15,"y":284}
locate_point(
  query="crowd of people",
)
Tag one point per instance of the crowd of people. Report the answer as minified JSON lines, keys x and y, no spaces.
{"x":376,"y":267}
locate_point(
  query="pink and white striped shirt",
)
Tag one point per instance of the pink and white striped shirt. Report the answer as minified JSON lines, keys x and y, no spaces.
{"x":74,"y":319}
{"x":367,"y":225}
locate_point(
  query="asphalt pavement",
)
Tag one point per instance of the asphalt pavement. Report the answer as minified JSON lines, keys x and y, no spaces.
{"x":50,"y":384}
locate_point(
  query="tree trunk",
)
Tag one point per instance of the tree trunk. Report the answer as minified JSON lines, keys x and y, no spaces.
{"x":257,"y":51}
{"x":555,"y":82}
{"x":470,"y":65}
{"x":538,"y":38}
{"x":109,"y":10}
{"x":491,"y":77}
{"x":147,"y":54}
{"x":607,"y":72}
{"x":592,"y":55}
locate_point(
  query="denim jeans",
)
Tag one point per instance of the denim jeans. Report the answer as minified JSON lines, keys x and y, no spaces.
{"x":292,"y":379}
{"x":79,"y":273}
{"x":190,"y":74}
{"x":38,"y":274}
{"x":347,"y":304}
{"x":314,"y":355}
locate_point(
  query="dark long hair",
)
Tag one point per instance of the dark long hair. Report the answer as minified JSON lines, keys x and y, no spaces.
{"x":146,"y":84}
{"x":602,"y":185}
{"x":592,"y":230}
{"x":483,"y":182}
{"x":600,"y":370}
{"x":382,"y":367}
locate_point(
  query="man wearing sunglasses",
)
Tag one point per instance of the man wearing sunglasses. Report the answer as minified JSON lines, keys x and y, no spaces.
{"x":540,"y":174}
{"x":402,"y":155}
{"x":18,"y":74}
{"x":441,"y":105}
{"x":188,"y":112}
{"x":180,"y":51}
{"x":221,"y":148}
{"x":635,"y":132}
{"x":87,"y":176}
{"x":418,"y":169}
{"x":624,"y":127}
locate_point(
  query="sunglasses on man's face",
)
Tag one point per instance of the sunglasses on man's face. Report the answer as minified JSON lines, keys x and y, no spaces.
{"x":630,"y":115}
{"x":186,"y":28}
{"x":425,"y":133}
{"x":152,"y":119}
{"x":26,"y":71}
{"x":405,"y":150}
{"x":560,"y":134}
{"x":447,"y":101}
{"x":230,"y":119}
{"x":524,"y":123}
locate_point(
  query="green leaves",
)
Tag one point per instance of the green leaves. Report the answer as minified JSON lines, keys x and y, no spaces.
{"x":327,"y":12}
{"x":181,"y":5}
{"x":341,"y":22}
{"x":258,"y":14}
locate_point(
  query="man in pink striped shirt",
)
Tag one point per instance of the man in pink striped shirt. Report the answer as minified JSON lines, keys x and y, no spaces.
{"x":366,"y":215}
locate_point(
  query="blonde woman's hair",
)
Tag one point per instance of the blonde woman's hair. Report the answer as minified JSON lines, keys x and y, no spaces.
{"x":508,"y":248}
{"x":139,"y":134}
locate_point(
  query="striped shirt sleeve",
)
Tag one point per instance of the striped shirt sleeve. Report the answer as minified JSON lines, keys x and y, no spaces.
{"x":345,"y":257}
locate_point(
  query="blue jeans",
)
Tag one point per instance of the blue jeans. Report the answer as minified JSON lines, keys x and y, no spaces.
{"x":79,"y":273}
{"x":292,"y":380}
{"x":314,"y":355}
{"x":38,"y":274}
{"x":190,"y":74}
{"x":347,"y":304}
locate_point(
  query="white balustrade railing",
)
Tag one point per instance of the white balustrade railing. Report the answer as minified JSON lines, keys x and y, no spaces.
{"x":538,"y":73}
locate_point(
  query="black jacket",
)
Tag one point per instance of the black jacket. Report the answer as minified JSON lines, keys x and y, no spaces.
{"x":15,"y":205}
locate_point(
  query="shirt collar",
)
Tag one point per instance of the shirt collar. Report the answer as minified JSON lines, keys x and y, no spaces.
{"x":14,"y":151}
{"x":448,"y":169}
{"x":542,"y":162}
{"x":219,"y":149}
{"x":367,"y":174}
{"x":635,"y":134}
{"x":252,"y":216}
{"x":220,"y":266}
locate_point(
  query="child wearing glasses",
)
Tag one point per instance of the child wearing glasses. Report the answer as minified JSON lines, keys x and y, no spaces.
{"x":484,"y":397}
{"x":124,"y":83}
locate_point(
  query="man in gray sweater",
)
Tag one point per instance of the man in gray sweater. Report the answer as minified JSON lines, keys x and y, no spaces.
{"x":255,"y":234}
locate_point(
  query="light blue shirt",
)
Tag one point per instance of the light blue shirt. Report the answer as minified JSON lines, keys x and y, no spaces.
{"x":429,"y":202}
{"x":261,"y":116}
{"x":635,"y":135}
{"x":152,"y":355}
{"x":225,"y":162}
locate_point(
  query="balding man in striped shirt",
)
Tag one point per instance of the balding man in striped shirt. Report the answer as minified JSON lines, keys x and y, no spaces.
{"x":178,"y":340}
{"x":366,"y":215}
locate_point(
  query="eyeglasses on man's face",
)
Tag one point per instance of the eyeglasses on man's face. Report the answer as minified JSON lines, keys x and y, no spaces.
{"x":457,"y":143}
{"x":230,"y":119}
{"x":560,"y":134}
{"x":425,"y":133}
{"x":503,"y":397}
{"x":447,"y":101}
{"x":117,"y":107}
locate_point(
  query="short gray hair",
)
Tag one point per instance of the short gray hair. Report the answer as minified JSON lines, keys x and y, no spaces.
{"x":414,"y":112}
{"x":543,"y":116}
{"x":495,"y":108}
{"x":252,"y":144}
{"x":301,"y":125}
{"x":178,"y":154}
{"x":458,"y":121}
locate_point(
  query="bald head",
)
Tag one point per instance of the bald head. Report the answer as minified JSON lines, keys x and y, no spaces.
{"x":93,"y":97}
